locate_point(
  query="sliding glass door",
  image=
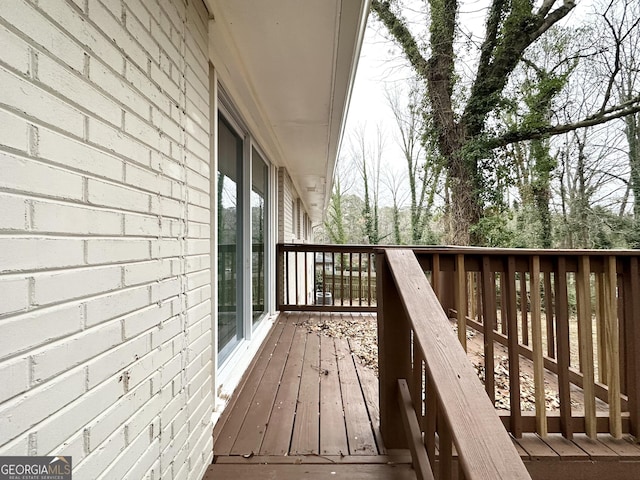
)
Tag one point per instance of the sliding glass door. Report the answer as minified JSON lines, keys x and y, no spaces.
{"x":243,"y":224}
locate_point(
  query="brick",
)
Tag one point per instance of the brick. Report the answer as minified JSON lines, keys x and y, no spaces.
{"x":146,"y":179}
{"x":18,"y":447}
{"x":38,"y":253}
{"x":142,"y":225}
{"x":117,"y":87}
{"x":161,"y":291}
{"x":71,"y":351}
{"x":141,"y":34}
{"x":66,"y":285}
{"x":198,"y":214}
{"x":148,"y":366}
{"x":138,"y":78}
{"x":166,"y":83}
{"x":77,"y":155}
{"x":101,"y":455}
{"x":64,"y":218}
{"x":139,"y":10}
{"x":83,"y":32}
{"x":115,"y":304}
{"x":30,"y":409}
{"x":24,"y":96}
{"x":146,"y":133}
{"x":34,"y":177}
{"x":198,"y":181}
{"x":13,"y":212}
{"x":143,"y":463}
{"x":14,"y":132}
{"x":121,"y":250}
{"x":117,"y":196}
{"x":61,"y":427}
{"x":76,"y":88}
{"x":143,"y":320}
{"x":167,"y":207}
{"x":15,"y":295}
{"x":34,"y":25}
{"x":168,"y":330}
{"x":199,"y":129}
{"x":111,"y":138}
{"x":167,"y":125}
{"x":14,"y":377}
{"x":30,"y":330}
{"x":114,"y":30}
{"x":146,"y":272}
{"x":110,"y":364}
{"x":166,"y":248}
{"x":15,"y":51}
{"x":198,"y":247}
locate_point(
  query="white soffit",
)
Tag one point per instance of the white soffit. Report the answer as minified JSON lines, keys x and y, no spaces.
{"x":289,"y":66}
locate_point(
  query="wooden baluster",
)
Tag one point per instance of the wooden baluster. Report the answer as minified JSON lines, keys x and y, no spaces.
{"x":489,"y":325}
{"x":416,"y":380}
{"x":562,"y":342}
{"x":360,"y":279}
{"x":611,"y":352}
{"x":601,"y":319}
{"x":445,"y":448}
{"x":471,"y":295}
{"x":435,"y":275}
{"x":631,"y":284}
{"x":503,"y":304}
{"x":431,"y":411}
{"x":333,"y":278}
{"x":461,"y":300}
{"x":514,"y":357}
{"x":585,"y":343}
{"x":524,"y":308}
{"x":295,"y":274}
{"x":351,"y":278}
{"x":369,"y":260}
{"x":548,"y":313}
{"x":305,"y":256}
{"x":478,"y":296}
{"x":538,"y":360}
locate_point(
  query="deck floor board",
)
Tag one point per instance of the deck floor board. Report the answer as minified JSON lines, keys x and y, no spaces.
{"x":306,"y":398}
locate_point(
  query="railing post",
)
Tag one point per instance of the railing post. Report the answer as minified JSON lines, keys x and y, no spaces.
{"x":280,"y":276}
{"x":393,"y":353}
{"x":631,"y":284}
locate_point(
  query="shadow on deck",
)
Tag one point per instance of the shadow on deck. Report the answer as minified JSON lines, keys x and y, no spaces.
{"x":308,"y":408}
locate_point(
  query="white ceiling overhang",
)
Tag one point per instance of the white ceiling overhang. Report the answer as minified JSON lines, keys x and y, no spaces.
{"x":289,"y":66}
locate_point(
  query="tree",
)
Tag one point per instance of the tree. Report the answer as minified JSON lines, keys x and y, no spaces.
{"x":460,"y":119}
{"x":424,"y":168}
{"x":368,"y":162}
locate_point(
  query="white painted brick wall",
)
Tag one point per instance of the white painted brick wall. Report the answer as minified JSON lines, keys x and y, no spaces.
{"x":105,"y":302}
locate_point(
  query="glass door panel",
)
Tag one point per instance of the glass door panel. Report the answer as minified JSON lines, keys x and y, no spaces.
{"x":229,"y":203}
{"x":259,"y":185}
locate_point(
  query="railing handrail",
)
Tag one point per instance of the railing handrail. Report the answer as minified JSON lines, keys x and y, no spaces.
{"x":485,"y":449}
{"x":453,"y":249}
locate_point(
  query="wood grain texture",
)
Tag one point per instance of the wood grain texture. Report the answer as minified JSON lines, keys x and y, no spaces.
{"x":483,"y":445}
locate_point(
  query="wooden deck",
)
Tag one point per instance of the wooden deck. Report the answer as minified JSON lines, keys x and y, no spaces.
{"x":308,"y":409}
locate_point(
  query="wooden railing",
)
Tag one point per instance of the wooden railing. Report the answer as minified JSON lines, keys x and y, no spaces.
{"x":326,"y":277}
{"x":560,"y":320}
{"x":560,"y":330}
{"x":428,"y":385}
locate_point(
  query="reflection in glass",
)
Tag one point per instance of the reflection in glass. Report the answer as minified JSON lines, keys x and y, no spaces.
{"x":229,"y":246}
{"x":258,"y":221}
